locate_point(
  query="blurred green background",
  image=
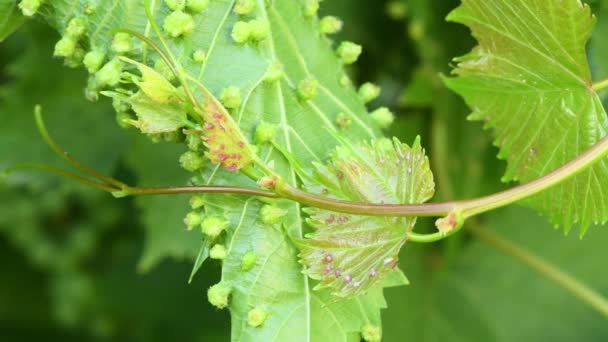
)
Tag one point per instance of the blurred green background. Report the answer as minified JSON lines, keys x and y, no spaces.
{"x":79,"y":265}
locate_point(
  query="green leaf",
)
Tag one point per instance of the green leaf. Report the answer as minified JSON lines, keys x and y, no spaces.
{"x":10,"y":18}
{"x":154,"y":117}
{"x":306,"y":129}
{"x":485,"y":295}
{"x":529,"y":80}
{"x":349,"y":253}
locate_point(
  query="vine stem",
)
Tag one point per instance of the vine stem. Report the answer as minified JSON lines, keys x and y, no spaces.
{"x":463,"y":209}
{"x":455,"y":212}
{"x":600,"y":85}
{"x":561,"y":278}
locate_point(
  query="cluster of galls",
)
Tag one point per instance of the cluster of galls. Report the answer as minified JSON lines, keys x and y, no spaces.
{"x":213,"y":228}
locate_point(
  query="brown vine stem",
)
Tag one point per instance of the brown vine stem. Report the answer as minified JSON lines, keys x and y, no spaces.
{"x":561,"y":278}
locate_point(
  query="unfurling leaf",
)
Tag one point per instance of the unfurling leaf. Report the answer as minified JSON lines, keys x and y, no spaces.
{"x":351,"y":253}
{"x":529,"y":80}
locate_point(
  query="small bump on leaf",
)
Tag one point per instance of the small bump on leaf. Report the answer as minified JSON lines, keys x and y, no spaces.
{"x":65,"y":47}
{"x":175,"y":5}
{"x":270,"y":214}
{"x":231,"y":97}
{"x":191,"y":161}
{"x":244,"y":7}
{"x":93,"y":60}
{"x":248,"y":261}
{"x":349,"y":52}
{"x":330,"y":24}
{"x":218,"y":252}
{"x":77,"y":27}
{"x":199,"y":56}
{"x":264,"y":132}
{"x":241,"y":32}
{"x":122,"y":43}
{"x":256,"y":317}
{"x":178,"y":24}
{"x":371,"y":333}
{"x":383,"y":117}
{"x":213,"y":226}
{"x":307,"y":88}
{"x":368,"y":92}
{"x":197,"y":6}
{"x":219,"y":295}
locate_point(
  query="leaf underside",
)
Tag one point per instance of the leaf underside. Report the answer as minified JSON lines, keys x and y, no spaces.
{"x":529,"y":80}
{"x":306,"y":129}
{"x":350,"y":253}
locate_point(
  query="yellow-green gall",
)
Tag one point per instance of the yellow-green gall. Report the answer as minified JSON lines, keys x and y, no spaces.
{"x":30,"y":7}
{"x":218,"y":252}
{"x":194,"y":142}
{"x":75,"y":60}
{"x":122,"y":43}
{"x":383,"y":117}
{"x":219,"y":295}
{"x":197,"y":202}
{"x":231,"y":97}
{"x":199,"y":56}
{"x":109,"y":74}
{"x":274,"y":72}
{"x":349,"y":52}
{"x":345,"y":81}
{"x":256,"y":317}
{"x":264,"y":132}
{"x":248,"y":261}
{"x":178,"y":24}
{"x":371,"y":333}
{"x":193,"y":219}
{"x":368,"y":92}
{"x":175,"y":5}
{"x":311,"y":7}
{"x":343,"y":120}
{"x":258,"y":29}
{"x":241,"y":32}
{"x":244,"y":7}
{"x":213,"y":226}
{"x":396,"y":9}
{"x":93,"y":60}
{"x":330,"y":24}
{"x":191,"y":161}
{"x":90,"y":8}
{"x":270,"y":214}
{"x":307,"y":88}
{"x":197,"y":6}
{"x":76,"y":28}
{"x":65,"y":47}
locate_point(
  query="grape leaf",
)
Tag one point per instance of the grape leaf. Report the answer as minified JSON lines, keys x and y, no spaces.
{"x":529,"y":80}
{"x":10,"y":18}
{"x":483,"y":294}
{"x":350,"y":253}
{"x":306,"y":129}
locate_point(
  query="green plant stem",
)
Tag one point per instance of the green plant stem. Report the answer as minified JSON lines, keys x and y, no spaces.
{"x":561,"y":278}
{"x":600,"y":85}
{"x":136,"y":191}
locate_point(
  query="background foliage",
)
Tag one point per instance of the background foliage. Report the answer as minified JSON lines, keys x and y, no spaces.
{"x":80,"y":265}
